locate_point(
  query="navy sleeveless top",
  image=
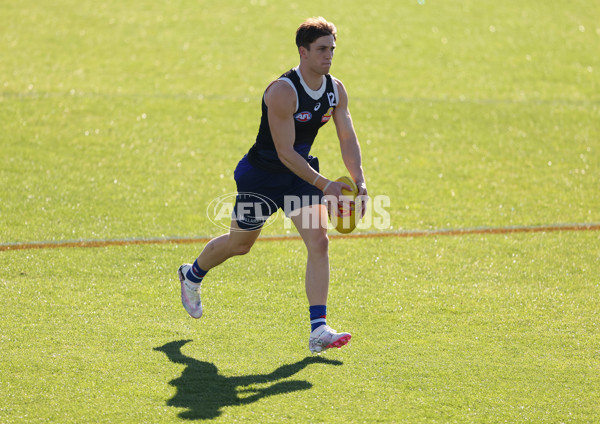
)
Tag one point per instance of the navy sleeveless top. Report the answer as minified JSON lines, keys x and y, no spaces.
{"x":313,"y":110}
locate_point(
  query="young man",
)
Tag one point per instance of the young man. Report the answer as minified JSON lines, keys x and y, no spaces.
{"x":278,"y":172}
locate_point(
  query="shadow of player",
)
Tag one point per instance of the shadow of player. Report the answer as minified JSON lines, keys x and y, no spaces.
{"x":204,"y":392}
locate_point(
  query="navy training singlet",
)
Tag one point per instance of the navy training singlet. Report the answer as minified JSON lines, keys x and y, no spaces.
{"x":313,"y":110}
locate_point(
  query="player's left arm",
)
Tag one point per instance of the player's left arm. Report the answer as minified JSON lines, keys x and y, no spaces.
{"x":349,"y":145}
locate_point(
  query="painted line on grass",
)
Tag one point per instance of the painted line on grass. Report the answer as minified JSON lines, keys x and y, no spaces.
{"x":36,"y":95}
{"x":401,"y":233}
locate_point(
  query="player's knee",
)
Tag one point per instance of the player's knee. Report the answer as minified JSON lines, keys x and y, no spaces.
{"x":319,"y":245}
{"x":240,"y":249}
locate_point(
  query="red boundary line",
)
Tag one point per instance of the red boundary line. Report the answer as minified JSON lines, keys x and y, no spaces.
{"x":404,"y":234}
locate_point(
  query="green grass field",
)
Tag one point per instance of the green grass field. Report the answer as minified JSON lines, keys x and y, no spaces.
{"x":123,"y":120}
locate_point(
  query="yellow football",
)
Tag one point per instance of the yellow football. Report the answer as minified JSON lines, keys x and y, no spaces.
{"x":346,"y":219}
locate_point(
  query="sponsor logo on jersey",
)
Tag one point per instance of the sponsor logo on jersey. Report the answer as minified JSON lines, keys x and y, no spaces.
{"x":317,"y":106}
{"x":327,"y":116}
{"x":303,"y":116}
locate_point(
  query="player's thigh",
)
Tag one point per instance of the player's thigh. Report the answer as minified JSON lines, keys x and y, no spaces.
{"x":311,"y":223}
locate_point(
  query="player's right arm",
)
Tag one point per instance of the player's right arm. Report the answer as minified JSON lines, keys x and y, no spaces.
{"x":281,"y":103}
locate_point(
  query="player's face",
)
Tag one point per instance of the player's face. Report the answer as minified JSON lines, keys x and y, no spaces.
{"x":320,"y":54}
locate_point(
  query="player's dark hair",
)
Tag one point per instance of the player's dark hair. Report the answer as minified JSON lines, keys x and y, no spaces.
{"x":312,"y":29}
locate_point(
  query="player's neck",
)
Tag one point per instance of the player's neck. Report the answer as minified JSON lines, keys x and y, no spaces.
{"x":313,"y":79}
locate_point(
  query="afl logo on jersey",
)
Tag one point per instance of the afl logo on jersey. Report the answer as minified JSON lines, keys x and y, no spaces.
{"x":303,"y":116}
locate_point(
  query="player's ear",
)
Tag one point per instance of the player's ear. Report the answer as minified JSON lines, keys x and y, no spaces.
{"x":303,"y":51}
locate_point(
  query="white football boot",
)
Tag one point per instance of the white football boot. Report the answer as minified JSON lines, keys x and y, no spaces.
{"x":190,"y":293}
{"x":324,"y":337}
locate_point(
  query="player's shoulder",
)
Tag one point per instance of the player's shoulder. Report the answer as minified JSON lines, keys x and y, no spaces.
{"x":280,"y":93}
{"x":340,"y":90}
{"x":335,"y":80}
{"x":280,"y":88}
{"x":338,"y":85}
